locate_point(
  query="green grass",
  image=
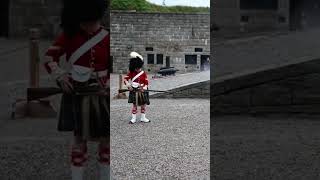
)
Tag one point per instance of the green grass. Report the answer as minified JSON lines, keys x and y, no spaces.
{"x":145,"y":6}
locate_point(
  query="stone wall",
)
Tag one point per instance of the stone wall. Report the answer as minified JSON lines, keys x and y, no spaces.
{"x":173,"y":35}
{"x":230,"y":18}
{"x":197,"y":90}
{"x":42,"y":14}
{"x":293,"y":88}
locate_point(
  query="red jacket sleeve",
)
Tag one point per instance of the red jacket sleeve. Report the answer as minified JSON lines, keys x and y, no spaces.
{"x":54,"y":53}
{"x":127,"y":78}
{"x":145,"y":79}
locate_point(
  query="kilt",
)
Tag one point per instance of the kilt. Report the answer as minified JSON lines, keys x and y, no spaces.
{"x":143,"y":97}
{"x":88,"y":116}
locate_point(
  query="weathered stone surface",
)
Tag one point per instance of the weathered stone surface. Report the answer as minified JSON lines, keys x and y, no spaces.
{"x":289,"y":89}
{"x":42,"y":14}
{"x":240,"y":57}
{"x":239,"y":98}
{"x":171,"y":34}
{"x":270,"y":94}
{"x":227,"y":16}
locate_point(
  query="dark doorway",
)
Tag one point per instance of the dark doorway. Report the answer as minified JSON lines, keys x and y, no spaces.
{"x":4,"y":18}
{"x":205,"y":63}
{"x":295,"y":18}
{"x":311,"y":14}
{"x":167,"y":61}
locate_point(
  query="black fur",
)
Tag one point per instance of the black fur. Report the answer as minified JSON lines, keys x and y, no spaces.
{"x":75,"y":12}
{"x":135,"y":63}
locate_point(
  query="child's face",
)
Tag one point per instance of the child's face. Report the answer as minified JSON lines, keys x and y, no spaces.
{"x":90,"y":27}
{"x":138,"y":69}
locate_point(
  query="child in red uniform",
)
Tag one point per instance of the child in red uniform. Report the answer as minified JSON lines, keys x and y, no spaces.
{"x":138,"y":95}
{"x":86,"y":45}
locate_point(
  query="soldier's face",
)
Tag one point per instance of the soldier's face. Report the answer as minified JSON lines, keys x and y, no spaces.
{"x":90,"y":27}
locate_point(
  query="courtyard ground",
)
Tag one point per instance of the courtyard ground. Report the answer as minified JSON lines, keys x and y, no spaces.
{"x":175,"y":145}
{"x":282,"y":147}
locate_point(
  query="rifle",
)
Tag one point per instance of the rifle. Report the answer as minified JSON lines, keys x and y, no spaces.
{"x":43,"y":92}
{"x":149,"y":90}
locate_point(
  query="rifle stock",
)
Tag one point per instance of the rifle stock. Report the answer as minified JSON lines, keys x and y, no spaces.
{"x":123,"y":90}
{"x":38,"y":93}
{"x":43,"y":92}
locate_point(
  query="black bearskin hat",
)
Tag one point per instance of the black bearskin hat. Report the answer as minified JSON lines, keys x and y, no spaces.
{"x":75,"y":12}
{"x":136,"y":61}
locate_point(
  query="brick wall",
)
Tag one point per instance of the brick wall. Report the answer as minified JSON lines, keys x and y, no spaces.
{"x":171,"y":34}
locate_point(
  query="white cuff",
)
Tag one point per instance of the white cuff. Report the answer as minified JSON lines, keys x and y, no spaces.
{"x":128,"y":85}
{"x":56,"y":71}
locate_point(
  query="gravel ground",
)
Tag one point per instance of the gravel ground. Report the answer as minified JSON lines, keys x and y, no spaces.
{"x":173,"y":146}
{"x":265,"y":148}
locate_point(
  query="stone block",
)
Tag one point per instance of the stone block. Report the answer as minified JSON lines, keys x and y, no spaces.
{"x":272,"y":94}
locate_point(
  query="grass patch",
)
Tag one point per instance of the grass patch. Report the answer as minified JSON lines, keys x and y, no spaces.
{"x":145,"y":6}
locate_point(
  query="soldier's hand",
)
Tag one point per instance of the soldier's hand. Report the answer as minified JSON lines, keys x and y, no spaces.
{"x":65,"y":83}
{"x":141,"y":89}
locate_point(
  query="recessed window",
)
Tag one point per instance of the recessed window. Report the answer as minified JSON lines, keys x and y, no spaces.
{"x":198,"y":50}
{"x":259,"y":4}
{"x":245,"y":19}
{"x":149,"y":48}
{"x":159,"y":58}
{"x":191,"y":59}
{"x":282,"y":19}
{"x":150,"y":58}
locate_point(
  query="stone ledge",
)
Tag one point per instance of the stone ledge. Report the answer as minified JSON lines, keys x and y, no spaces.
{"x":234,"y":82}
{"x":290,"y":89}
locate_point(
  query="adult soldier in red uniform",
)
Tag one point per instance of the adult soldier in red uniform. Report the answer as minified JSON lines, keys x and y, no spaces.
{"x":86,"y":45}
{"x":138,"y":85}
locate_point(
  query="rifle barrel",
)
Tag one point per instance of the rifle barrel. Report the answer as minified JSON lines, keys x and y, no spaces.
{"x":149,"y":90}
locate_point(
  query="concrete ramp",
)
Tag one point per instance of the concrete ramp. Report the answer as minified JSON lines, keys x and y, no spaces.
{"x":243,"y":56}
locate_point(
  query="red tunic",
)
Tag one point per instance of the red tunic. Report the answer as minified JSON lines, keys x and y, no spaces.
{"x":142,"y":80}
{"x":98,"y":55}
